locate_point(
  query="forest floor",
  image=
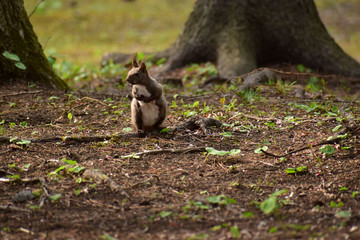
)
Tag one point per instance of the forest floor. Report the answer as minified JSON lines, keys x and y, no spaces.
{"x":70,"y":167}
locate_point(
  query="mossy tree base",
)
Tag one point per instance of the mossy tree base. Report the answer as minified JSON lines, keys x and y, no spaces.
{"x":241,"y":35}
{"x":17,"y":37}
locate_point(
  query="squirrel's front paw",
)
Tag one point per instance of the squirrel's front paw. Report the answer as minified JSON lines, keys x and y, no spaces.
{"x":139,"y":97}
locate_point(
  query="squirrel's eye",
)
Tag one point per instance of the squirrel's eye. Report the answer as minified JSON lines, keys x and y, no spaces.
{"x":136,"y":74}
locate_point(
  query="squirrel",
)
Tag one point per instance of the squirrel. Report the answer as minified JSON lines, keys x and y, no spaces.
{"x":148,"y":106}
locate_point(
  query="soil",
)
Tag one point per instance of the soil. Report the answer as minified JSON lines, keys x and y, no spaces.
{"x":179,"y":191}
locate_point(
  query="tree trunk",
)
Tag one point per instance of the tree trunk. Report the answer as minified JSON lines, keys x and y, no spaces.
{"x":241,"y":35}
{"x":17,"y":37}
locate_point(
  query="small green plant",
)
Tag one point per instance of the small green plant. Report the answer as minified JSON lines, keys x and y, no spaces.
{"x":315,"y":84}
{"x":220,"y":200}
{"x":192,"y":205}
{"x":327,"y":149}
{"x":249,"y":95}
{"x":55,"y":197}
{"x":302,"y":69}
{"x":70,"y":167}
{"x":336,"y":205}
{"x":261,"y":149}
{"x":343,"y":214}
{"x":70,"y":116}
{"x":15,"y":58}
{"x":213,"y":151}
{"x":247,"y":214}
{"x":272,"y":204}
{"x":298,"y":170}
{"x":164,"y":214}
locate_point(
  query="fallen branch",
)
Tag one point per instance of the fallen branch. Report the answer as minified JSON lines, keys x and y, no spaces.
{"x":13,"y":208}
{"x":21,"y":180}
{"x":83,"y":139}
{"x":20,"y":93}
{"x":172,"y":150}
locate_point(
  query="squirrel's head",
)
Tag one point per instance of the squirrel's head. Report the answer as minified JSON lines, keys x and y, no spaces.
{"x":137,"y":74}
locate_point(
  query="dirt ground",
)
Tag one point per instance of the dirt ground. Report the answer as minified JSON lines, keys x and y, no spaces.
{"x":167,"y":186}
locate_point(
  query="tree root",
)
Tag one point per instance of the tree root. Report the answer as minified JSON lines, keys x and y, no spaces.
{"x":198,"y":123}
{"x":257,"y":77}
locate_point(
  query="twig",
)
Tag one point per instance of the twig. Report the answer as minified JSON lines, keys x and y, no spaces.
{"x":21,"y":93}
{"x":13,"y":208}
{"x":172,"y":150}
{"x":23,"y":180}
{"x":256,"y":118}
{"x":37,"y":5}
{"x":6,"y":140}
{"x":46,"y":194}
{"x":94,"y":100}
{"x":147,"y":180}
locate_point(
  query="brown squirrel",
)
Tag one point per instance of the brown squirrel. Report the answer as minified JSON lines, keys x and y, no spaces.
{"x":148,"y":106}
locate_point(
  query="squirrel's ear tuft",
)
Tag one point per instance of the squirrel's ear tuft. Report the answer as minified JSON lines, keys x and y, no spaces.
{"x":143,"y":67}
{"x":134,"y":62}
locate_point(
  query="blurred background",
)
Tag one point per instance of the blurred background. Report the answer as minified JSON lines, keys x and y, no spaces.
{"x":75,"y":34}
{"x":84,"y":30}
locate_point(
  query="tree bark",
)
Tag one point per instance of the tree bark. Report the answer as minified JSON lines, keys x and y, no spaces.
{"x":241,"y":35}
{"x":17,"y":37}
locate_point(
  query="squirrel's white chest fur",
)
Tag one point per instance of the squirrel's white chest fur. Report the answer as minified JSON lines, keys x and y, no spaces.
{"x":149,"y":110}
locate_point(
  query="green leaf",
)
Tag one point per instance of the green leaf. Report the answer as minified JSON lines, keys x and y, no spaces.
{"x":343,"y":189}
{"x":279,"y":192}
{"x":235,"y":231}
{"x":11,"y":56}
{"x":260,"y":150}
{"x":273,"y":230}
{"x":336,"y":128}
{"x":226,"y":134}
{"x":23,"y":142}
{"x":216,"y":228}
{"x":78,"y":169}
{"x":70,"y":162}
{"x":70,"y":116}
{"x":164,"y":130}
{"x":302,"y":169}
{"x":165,"y":214}
{"x":161,"y":61}
{"x":343,"y":214}
{"x":247,"y":214}
{"x":127,"y":129}
{"x":355,"y":193}
{"x":299,"y":227}
{"x":327,"y":149}
{"x":268,"y":205}
{"x":213,"y":151}
{"x":301,"y":68}
{"x":20,"y":65}
{"x":336,"y":205}
{"x":290,"y":170}
{"x":131,"y":156}
{"x":55,"y":197}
